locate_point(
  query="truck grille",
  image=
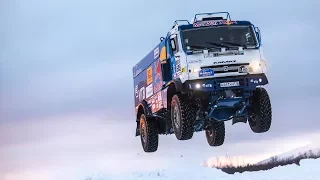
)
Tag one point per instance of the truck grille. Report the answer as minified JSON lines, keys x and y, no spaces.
{"x":219,"y":69}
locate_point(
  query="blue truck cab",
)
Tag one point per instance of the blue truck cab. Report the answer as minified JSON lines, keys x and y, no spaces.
{"x":200,"y":75}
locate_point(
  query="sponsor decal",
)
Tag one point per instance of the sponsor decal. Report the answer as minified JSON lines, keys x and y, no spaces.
{"x":195,"y":61}
{"x":157,"y":85}
{"x":227,"y":53}
{"x":210,"y":55}
{"x":137,"y":71}
{"x":177,"y":71}
{"x":159,"y":97}
{"x":163,"y":53}
{"x":149,"y":91}
{"x":206,"y":72}
{"x":184,"y":69}
{"x":142,"y":94}
{"x":156,"y":103}
{"x":156,"y":53}
{"x":136,"y":91}
{"x":224,"y":62}
{"x":139,"y":92}
{"x":178,"y":66}
{"x":149,"y":75}
{"x":213,"y":23}
{"x":174,"y":74}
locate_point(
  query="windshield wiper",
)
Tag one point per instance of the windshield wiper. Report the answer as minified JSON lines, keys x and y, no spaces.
{"x":218,"y":44}
{"x":235,"y":44}
{"x":202,"y":47}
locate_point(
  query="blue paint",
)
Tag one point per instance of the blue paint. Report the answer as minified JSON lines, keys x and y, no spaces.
{"x":148,"y":59}
{"x":140,"y":84}
{"x":249,"y":82}
{"x":225,"y":109}
{"x":206,"y":72}
{"x":173,"y":67}
{"x":144,"y":90}
{"x":150,"y":89}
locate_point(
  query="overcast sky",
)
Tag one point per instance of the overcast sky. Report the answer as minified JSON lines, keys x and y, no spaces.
{"x":68,"y":57}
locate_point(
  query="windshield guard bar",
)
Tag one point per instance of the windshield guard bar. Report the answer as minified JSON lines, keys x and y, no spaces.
{"x":177,"y":22}
{"x":210,"y":14}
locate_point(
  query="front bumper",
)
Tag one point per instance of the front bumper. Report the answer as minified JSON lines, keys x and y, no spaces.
{"x":246,"y":82}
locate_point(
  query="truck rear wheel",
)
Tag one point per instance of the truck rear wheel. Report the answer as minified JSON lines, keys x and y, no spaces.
{"x":216,"y":134}
{"x":182,"y":116}
{"x":260,"y":120}
{"x":149,"y":133}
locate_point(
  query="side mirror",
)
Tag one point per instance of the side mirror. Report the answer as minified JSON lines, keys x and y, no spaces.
{"x":173,"y":44}
{"x":258,"y":34}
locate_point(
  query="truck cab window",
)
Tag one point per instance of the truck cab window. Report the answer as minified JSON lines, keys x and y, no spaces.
{"x":174,"y":45}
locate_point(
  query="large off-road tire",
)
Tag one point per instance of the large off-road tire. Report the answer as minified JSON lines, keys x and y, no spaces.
{"x":183,"y":116}
{"x":261,"y":117}
{"x":149,"y":133}
{"x":216,"y":134}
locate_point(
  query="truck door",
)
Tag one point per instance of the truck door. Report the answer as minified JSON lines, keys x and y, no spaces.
{"x":174,"y":56}
{"x":165,"y":58}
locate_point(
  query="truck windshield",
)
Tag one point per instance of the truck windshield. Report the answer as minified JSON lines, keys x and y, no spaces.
{"x":217,"y":37}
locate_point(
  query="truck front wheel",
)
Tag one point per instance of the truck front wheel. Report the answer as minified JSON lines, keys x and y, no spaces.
{"x":260,"y":119}
{"x":149,"y":133}
{"x":182,"y":116}
{"x":216,"y":134}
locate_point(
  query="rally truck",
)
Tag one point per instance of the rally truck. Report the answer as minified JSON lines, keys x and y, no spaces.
{"x":201,"y":74}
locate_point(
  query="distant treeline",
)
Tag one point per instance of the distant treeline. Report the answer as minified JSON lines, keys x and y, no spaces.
{"x":274,"y":162}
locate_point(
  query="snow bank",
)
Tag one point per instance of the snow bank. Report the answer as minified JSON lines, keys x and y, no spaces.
{"x":309,"y":170}
{"x":233,"y":165}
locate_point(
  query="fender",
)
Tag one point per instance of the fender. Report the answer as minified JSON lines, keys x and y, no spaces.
{"x":178,"y":85}
{"x":143,"y":108}
{"x":146,"y":109}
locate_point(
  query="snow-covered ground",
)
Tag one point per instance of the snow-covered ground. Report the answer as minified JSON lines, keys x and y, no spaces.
{"x":309,"y":170}
{"x":310,"y":149}
{"x":81,"y":145}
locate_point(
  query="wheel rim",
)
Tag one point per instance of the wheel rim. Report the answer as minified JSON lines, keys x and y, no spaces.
{"x":143,"y":133}
{"x":253,"y":119}
{"x":211,"y":132}
{"x":176,"y":116}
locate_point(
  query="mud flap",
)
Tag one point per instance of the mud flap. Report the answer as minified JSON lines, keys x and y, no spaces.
{"x":137,"y":132}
